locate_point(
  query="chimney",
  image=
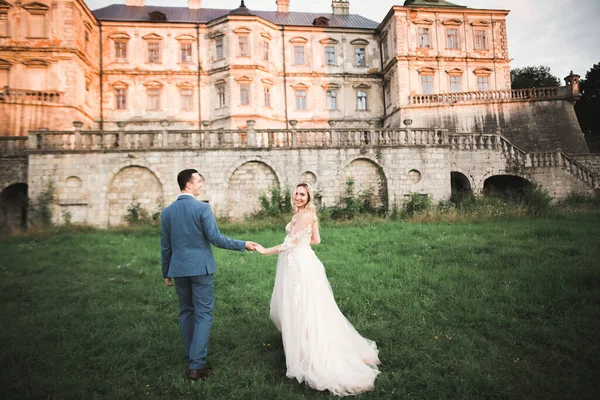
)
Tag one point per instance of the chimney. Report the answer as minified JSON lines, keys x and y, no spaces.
{"x":283,"y":5}
{"x":134,"y":3}
{"x":194,"y":4}
{"x":340,"y":7}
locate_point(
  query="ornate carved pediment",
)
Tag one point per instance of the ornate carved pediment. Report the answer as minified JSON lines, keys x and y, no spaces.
{"x":185,"y":85}
{"x":36,"y":7}
{"x":4,"y":5}
{"x":220,"y":82}
{"x":120,"y":84}
{"x":120,"y":36}
{"x":243,"y":79}
{"x":426,"y":71}
{"x":359,"y":42}
{"x":298,"y":40}
{"x":267,"y":81}
{"x":331,"y":86}
{"x":329,"y":41}
{"x":423,"y":21}
{"x":36,"y":63}
{"x":362,"y":86}
{"x":452,"y":22}
{"x":481,"y":22}
{"x":152,"y":36}
{"x":455,"y":71}
{"x":266,"y":35}
{"x":4,"y":64}
{"x":299,"y":86}
{"x":153,"y":84}
{"x":242,"y":30}
{"x":216,"y":34}
{"x":186,"y":38}
{"x":483,"y":71}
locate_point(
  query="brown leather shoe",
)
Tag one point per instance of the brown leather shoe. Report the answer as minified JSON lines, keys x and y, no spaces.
{"x":197,"y":374}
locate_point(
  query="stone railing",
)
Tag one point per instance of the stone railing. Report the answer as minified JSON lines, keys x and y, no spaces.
{"x":8,"y":95}
{"x":553,"y":159}
{"x":13,"y":145}
{"x":490,"y":96}
{"x":231,"y":139}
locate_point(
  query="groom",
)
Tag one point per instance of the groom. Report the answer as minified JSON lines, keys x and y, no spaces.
{"x":188,"y":228}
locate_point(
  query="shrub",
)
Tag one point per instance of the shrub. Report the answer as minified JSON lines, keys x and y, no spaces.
{"x":280,"y":202}
{"x":416,"y":203}
{"x":40,"y":210}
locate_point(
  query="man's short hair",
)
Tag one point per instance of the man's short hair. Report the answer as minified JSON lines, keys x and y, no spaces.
{"x":184,"y":177}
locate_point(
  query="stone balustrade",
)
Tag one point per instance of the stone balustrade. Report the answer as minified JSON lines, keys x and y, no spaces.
{"x":231,"y":139}
{"x":13,"y":145}
{"x":489,"y":96}
{"x":9,"y":95}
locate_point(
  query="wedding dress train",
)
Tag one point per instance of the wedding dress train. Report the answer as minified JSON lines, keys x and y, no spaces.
{"x":321,"y":347}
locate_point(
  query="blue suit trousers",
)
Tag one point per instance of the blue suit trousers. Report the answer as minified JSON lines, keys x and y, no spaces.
{"x":196,"y":301}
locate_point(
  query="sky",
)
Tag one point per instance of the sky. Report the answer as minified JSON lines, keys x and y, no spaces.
{"x":561,"y":34}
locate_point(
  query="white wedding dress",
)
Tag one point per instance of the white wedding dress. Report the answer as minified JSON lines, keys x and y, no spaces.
{"x":321,"y":347}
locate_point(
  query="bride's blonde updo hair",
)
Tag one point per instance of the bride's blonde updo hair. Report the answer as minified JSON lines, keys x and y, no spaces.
{"x":310,"y":205}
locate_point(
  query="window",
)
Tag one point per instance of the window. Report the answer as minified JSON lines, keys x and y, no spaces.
{"x":455,"y":84}
{"x":154,"y":99}
{"x":359,"y":57}
{"x":219,"y":48}
{"x":427,"y":84}
{"x":266,"y":50}
{"x":424,"y":38}
{"x":301,"y":100}
{"x":221,"y":96}
{"x":480,"y":39}
{"x":37,"y":25}
{"x":121,"y":97}
{"x":387,"y":93}
{"x":3,"y":77}
{"x":299,"y":55}
{"x":154,"y":52}
{"x":452,"y":38}
{"x":244,"y":94}
{"x":186,"y":52}
{"x":88,"y":85}
{"x":121,"y":51}
{"x":244,"y":48}
{"x":187,"y":99}
{"x":267,"y":96}
{"x":361,"y":100}
{"x":4,"y":24}
{"x":384,"y":47}
{"x":332,"y":99}
{"x":482,"y":83}
{"x":329,"y":55}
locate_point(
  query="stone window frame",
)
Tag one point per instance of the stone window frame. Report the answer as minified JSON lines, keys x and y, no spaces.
{"x":157,"y":93}
{"x":452,"y":75}
{"x":266,"y":45}
{"x":186,"y":40}
{"x":329,"y":43}
{"x":186,"y":87}
{"x":219,"y":50}
{"x":387,"y":92}
{"x":360,"y":45}
{"x":4,"y":12}
{"x":299,"y":43}
{"x":5,"y":66}
{"x":483,"y":78}
{"x":452,"y":24}
{"x":155,"y":39}
{"x":424,"y":26}
{"x":426,"y":75}
{"x":124,"y":87}
{"x":481,"y":35}
{"x":36,"y":8}
{"x":39,"y":64}
{"x":245,"y":85}
{"x":87,"y":31}
{"x":120,"y":38}
{"x":362,"y":88}
{"x":300,"y":92}
{"x":244,"y":33}
{"x":221,"y":87}
{"x":332,"y":91}
{"x":385,"y":52}
{"x":267,"y":92}
{"x":88,"y":90}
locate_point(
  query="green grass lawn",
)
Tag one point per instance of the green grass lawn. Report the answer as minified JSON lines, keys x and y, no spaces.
{"x":499,"y":310}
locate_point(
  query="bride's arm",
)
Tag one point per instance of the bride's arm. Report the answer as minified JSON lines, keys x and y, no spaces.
{"x":290,"y":240}
{"x":316,"y":236}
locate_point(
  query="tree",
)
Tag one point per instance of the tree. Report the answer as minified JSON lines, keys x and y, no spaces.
{"x":588,"y":107}
{"x":532,"y":77}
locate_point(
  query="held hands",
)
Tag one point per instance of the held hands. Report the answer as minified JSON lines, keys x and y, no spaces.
{"x":251,"y":246}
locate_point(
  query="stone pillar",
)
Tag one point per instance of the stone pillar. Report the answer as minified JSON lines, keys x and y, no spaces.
{"x":121,"y":136}
{"x":283,"y":5}
{"x":77,"y":141}
{"x":340,"y":7}
{"x":251,"y":138}
{"x":134,"y":3}
{"x":194,"y":4}
{"x":293,"y":124}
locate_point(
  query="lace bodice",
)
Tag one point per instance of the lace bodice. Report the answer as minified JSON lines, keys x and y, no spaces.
{"x":297,"y":235}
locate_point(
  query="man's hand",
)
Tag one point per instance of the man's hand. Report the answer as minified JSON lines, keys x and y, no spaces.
{"x":251,"y":246}
{"x":169,"y":282}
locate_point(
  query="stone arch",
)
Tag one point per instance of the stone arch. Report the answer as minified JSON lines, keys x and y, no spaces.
{"x":503,"y":185}
{"x":13,"y":207}
{"x":245,"y":185}
{"x":367,"y":175}
{"x":460,"y":184}
{"x":310,"y":177}
{"x":133,"y":184}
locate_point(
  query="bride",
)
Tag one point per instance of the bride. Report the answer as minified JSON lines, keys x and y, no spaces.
{"x":321,"y":347}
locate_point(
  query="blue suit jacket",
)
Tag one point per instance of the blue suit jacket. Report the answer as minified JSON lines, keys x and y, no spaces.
{"x":188,"y":228}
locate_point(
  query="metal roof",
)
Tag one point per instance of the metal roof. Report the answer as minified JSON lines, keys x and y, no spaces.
{"x":123,"y":13}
